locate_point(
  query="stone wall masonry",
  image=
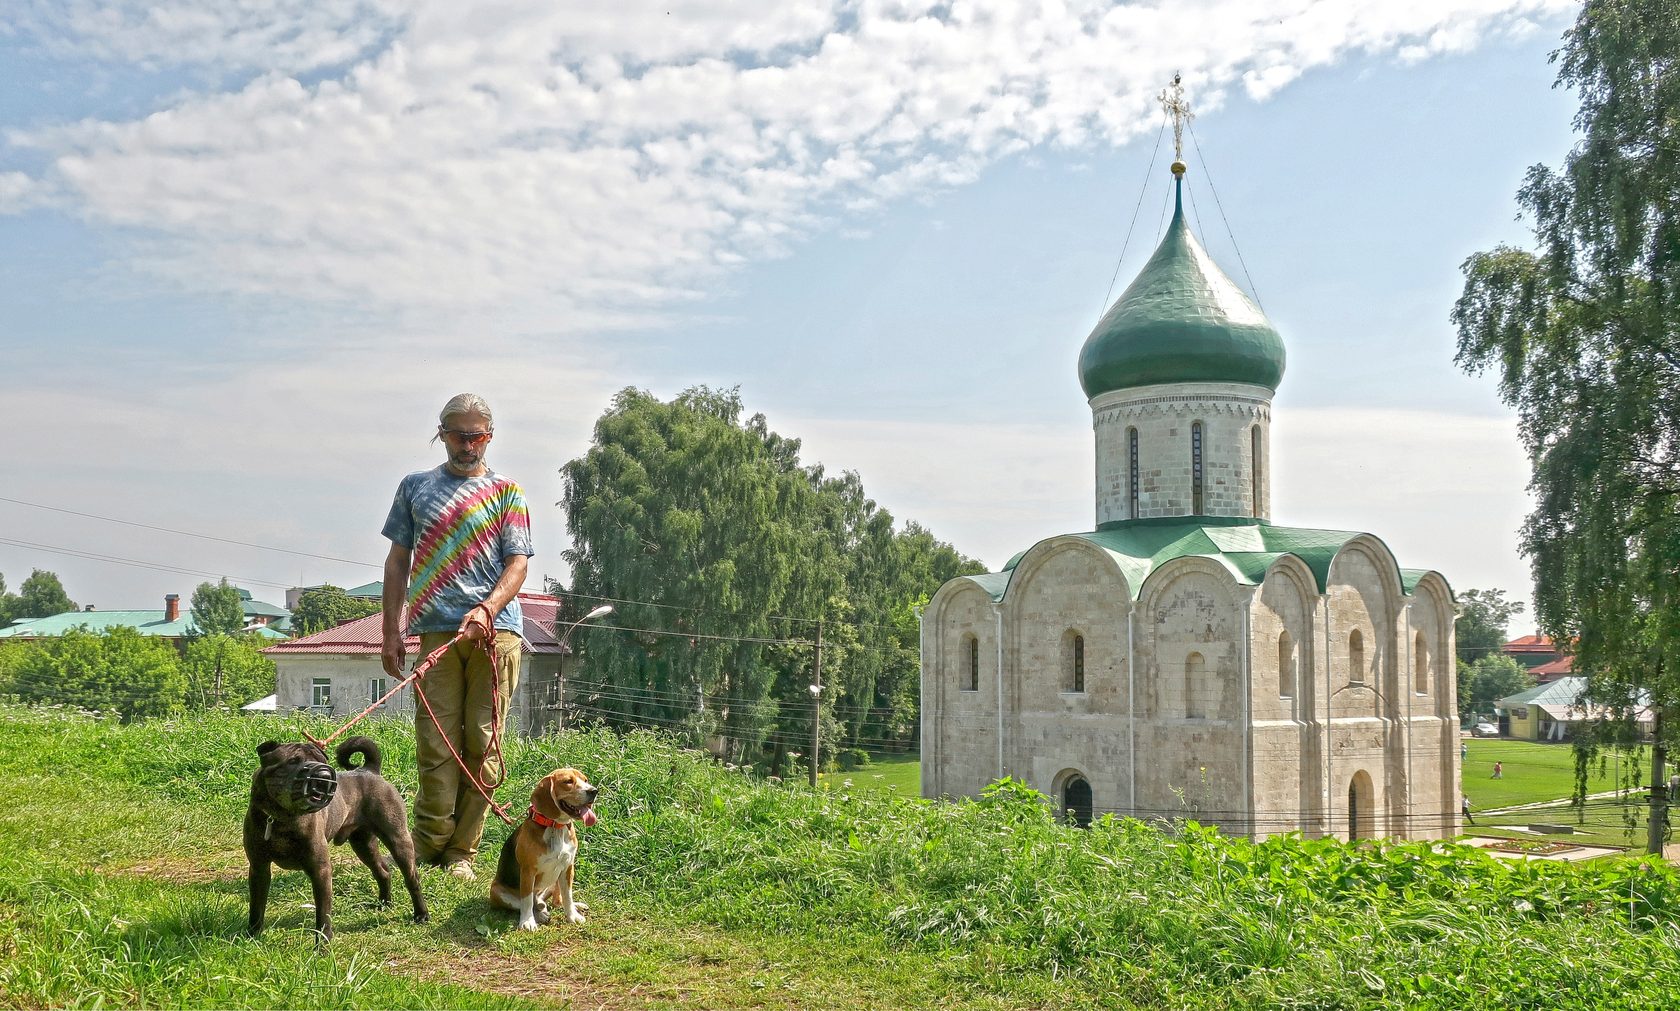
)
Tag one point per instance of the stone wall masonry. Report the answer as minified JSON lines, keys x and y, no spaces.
{"x":959,"y":727}
{"x":1061,"y":589}
{"x":1052,"y":748}
{"x":1259,"y":763}
{"x":1163,"y":416}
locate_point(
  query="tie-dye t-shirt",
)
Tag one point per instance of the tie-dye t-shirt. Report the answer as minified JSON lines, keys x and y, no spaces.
{"x":460,"y":529}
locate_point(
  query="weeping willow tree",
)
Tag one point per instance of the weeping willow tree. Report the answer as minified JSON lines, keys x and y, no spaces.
{"x":1584,"y":332}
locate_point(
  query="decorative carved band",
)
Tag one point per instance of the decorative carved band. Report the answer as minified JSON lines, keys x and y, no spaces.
{"x":1158,"y":407}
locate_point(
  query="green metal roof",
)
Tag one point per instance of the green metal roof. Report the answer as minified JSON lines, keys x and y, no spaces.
{"x":1246,"y":547}
{"x":262,"y":609}
{"x":375,"y":589}
{"x":149,"y":622}
{"x":1562,"y":692}
{"x":1181,"y":320}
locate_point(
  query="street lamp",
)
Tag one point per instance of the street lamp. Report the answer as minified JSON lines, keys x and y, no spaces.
{"x":602,"y":611}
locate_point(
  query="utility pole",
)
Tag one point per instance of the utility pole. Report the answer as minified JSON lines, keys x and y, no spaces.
{"x":1658,"y":818}
{"x":816,"y":709}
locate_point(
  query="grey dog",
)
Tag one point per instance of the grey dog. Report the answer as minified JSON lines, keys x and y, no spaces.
{"x":299,"y":804}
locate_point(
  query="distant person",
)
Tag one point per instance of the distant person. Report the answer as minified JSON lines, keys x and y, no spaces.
{"x":1499,"y":770}
{"x":460,"y":535}
{"x":1674,"y":788}
{"x":1463,"y":752}
{"x":1464,"y":807}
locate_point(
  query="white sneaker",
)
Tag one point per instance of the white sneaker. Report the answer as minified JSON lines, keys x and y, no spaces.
{"x":461,"y":869}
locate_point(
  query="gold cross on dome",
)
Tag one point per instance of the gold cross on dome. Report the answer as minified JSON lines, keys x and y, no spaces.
{"x":1173,"y":103}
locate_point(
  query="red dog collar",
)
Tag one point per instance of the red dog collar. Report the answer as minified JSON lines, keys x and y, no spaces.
{"x":542,"y":819}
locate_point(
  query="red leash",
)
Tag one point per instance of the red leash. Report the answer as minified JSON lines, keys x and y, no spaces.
{"x":493,"y":749}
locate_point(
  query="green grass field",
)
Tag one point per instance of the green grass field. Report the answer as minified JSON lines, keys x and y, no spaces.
{"x":1533,"y":773}
{"x":1537,"y":773}
{"x":899,"y":774}
{"x":122,"y":885}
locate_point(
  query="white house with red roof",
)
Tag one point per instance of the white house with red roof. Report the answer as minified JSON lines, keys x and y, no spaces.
{"x":338,"y":672}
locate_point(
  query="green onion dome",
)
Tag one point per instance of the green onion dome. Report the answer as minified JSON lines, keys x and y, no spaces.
{"x":1181,"y":321}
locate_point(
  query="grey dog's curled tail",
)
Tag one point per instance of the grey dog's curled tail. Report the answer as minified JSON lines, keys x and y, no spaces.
{"x":363,"y":746}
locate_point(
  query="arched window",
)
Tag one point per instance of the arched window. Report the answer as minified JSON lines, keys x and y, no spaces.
{"x":1196,"y":468}
{"x":1362,"y":812}
{"x":1074,"y":662}
{"x":1132,"y":470}
{"x":1076,"y":801}
{"x":1254,"y":465}
{"x":1195,"y":706}
{"x":973,"y":645}
{"x":1356,"y":658}
{"x":1420,"y":665}
{"x":1286,"y":666}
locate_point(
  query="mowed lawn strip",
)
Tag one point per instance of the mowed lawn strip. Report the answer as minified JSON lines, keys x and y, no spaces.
{"x":1532,"y":773}
{"x":900,"y":774}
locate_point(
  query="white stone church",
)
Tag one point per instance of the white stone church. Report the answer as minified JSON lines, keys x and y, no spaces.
{"x":1189,"y":658}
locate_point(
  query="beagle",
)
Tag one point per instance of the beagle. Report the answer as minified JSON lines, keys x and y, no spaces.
{"x":538,"y":858}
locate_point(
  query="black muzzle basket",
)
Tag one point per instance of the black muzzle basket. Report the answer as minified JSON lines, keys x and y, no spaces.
{"x":309,"y":788}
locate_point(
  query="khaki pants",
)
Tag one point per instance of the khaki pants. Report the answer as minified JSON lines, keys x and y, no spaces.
{"x":448,"y":811}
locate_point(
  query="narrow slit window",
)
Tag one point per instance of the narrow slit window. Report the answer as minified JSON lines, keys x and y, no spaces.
{"x":1254,"y":466}
{"x":1076,"y":662}
{"x":1420,"y":660}
{"x":1286,"y":666}
{"x":1356,"y":658}
{"x":1195,"y":701}
{"x":973,"y":664}
{"x":1196,"y":469}
{"x":1132,"y":472}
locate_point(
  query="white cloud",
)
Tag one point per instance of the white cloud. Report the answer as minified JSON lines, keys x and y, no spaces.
{"x":303,"y":453}
{"x":1444,"y":491}
{"x":289,"y":35}
{"x":595,"y":167}
{"x":18,"y":192}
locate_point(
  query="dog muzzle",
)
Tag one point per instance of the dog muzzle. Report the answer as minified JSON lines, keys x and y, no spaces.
{"x":308,"y":788}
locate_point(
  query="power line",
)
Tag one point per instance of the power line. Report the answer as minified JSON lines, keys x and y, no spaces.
{"x":188,"y":533}
{"x":720,"y":614}
{"x":183,"y":570}
{"x":158,"y":566}
{"x":1216,"y":201}
{"x":1139,"y":206}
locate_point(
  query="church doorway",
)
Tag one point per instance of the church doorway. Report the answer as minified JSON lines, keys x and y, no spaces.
{"x":1361,"y":808}
{"x":1076,"y":800}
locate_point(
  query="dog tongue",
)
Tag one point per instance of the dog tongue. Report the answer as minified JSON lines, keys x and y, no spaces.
{"x":588,"y":817}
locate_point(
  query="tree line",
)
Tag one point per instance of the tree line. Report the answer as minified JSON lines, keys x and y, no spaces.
{"x":120,"y":670}
{"x":1583,"y":332}
{"x":743,"y":556}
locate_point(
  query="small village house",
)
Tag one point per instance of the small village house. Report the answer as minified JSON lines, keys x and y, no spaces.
{"x":338,"y":672}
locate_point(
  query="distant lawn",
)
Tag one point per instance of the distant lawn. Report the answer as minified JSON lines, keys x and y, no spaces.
{"x":1534,"y":773}
{"x":900,"y":774}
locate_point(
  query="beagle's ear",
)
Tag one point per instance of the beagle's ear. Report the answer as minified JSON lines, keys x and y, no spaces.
{"x":265,"y":747}
{"x":542,"y":798}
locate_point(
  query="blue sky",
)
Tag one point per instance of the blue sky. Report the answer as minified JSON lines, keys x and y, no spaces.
{"x":246,"y":251}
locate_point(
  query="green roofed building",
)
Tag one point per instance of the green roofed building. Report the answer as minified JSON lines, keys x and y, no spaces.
{"x":172,"y":621}
{"x":1188,"y":657}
